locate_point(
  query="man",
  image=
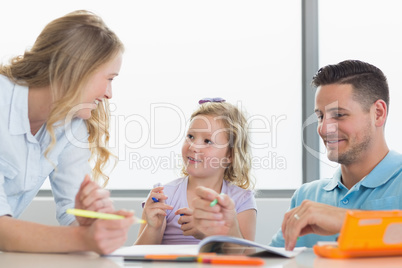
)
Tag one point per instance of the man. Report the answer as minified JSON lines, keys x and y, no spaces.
{"x":352,"y":102}
{"x":351,"y":105}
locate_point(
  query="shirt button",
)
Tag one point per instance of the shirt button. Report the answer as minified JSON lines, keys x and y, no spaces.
{"x":345,"y":201}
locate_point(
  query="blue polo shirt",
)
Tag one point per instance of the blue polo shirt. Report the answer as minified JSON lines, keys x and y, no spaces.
{"x":23,"y":166}
{"x":381,"y":189}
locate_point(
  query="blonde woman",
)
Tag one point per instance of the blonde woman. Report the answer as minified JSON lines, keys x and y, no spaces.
{"x":216,"y":156}
{"x":53,"y":119}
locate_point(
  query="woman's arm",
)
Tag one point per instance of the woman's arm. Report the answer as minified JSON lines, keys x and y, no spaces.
{"x":102,"y":236}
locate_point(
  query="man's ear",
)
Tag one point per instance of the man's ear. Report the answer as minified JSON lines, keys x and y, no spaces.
{"x":380,"y":113}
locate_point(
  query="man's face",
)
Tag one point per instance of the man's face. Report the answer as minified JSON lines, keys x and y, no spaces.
{"x":345,"y":128}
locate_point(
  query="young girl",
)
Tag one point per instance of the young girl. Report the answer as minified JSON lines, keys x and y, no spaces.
{"x":215,"y":155}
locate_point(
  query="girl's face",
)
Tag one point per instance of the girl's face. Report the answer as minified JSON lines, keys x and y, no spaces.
{"x":206,"y":148}
{"x":99,"y":87}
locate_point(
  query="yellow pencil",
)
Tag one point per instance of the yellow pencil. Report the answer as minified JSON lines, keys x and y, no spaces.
{"x":98,"y":215}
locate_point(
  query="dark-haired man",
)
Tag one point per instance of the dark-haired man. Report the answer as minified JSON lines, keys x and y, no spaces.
{"x":351,"y":105}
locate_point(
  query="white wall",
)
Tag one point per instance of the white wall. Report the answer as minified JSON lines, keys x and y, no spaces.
{"x":269,"y":217}
{"x":176,"y":53}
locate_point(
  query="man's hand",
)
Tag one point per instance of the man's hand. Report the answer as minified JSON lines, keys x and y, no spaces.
{"x":311,"y":217}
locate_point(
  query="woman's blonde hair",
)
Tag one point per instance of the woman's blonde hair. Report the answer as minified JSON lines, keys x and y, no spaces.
{"x":66,"y":53}
{"x":235,"y":123}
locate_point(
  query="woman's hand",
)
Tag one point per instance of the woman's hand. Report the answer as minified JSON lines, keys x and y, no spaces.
{"x":105,"y":236}
{"x":91,"y":196}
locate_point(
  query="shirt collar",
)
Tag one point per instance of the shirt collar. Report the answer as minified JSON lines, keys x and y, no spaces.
{"x":19,"y":121}
{"x":384,"y":170}
{"x":378,"y":176}
{"x":224,"y":185}
{"x":335,"y":181}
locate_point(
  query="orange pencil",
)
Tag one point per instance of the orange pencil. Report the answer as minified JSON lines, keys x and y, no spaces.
{"x":168,"y":257}
{"x":234,"y":260}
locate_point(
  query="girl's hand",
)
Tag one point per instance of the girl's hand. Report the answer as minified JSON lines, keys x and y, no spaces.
{"x":91,"y":196}
{"x":186,"y":221}
{"x":155,"y":208}
{"x":220,"y":219}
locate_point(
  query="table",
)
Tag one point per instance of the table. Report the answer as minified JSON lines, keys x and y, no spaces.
{"x":92,"y":260}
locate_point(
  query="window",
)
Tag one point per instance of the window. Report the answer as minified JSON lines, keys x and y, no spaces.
{"x":178,"y":52}
{"x":367,"y":31}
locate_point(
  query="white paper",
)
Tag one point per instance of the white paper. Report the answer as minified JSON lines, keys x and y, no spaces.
{"x":142,"y":250}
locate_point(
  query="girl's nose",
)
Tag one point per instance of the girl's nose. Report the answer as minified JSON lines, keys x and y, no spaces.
{"x":194,"y":147}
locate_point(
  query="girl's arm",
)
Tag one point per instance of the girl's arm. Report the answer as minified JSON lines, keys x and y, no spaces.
{"x":148,"y":235}
{"x":247,"y":223}
{"x":154,"y":214}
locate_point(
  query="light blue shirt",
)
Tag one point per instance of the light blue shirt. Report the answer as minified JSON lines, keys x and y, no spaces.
{"x":23,"y":166}
{"x":381,"y":189}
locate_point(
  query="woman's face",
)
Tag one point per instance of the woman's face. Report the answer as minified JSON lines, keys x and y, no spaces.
{"x":99,"y":87}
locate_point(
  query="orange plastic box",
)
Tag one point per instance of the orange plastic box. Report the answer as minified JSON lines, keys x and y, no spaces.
{"x":366,"y":234}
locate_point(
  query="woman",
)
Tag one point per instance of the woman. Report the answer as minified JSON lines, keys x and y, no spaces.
{"x":53,"y":119}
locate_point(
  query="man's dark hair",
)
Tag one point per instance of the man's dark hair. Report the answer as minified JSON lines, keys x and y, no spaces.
{"x":369,"y":83}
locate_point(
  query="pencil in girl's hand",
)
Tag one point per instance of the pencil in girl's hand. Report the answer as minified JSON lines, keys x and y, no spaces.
{"x":215,"y":201}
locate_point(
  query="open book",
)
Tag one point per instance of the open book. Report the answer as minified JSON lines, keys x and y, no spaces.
{"x":218,"y":244}
{"x":234,"y":245}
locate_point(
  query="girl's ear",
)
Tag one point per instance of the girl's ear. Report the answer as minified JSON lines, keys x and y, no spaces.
{"x":229,"y":157}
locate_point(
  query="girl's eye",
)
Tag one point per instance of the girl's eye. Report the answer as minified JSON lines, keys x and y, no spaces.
{"x":189,"y":136}
{"x":208,"y":141}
